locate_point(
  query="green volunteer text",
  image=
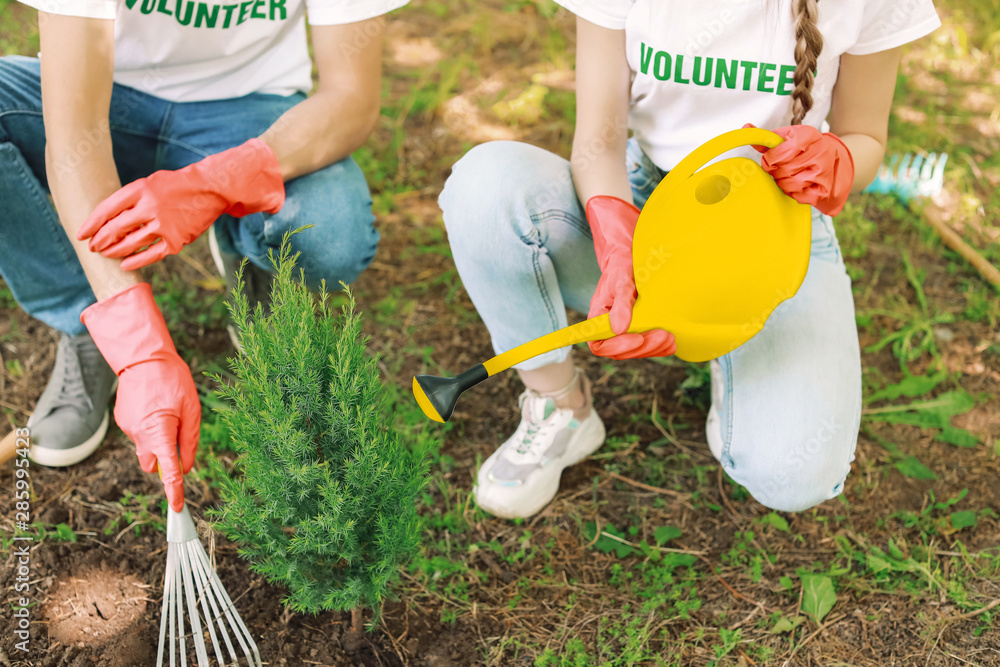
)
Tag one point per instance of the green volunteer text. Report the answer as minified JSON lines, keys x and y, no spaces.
{"x":716,"y":72}
{"x":205,"y":15}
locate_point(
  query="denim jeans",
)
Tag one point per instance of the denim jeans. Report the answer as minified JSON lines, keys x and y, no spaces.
{"x":791,"y":403}
{"x":148,"y":133}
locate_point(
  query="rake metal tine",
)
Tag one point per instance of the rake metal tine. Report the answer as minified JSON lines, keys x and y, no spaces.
{"x":179,"y":615}
{"x":902,"y":165}
{"x":208,"y":598}
{"x":892,"y":167}
{"x":883,"y":178}
{"x":897,"y":169}
{"x":903,"y":174}
{"x":928,"y":167}
{"x":924,"y":184}
{"x":906,"y":180}
{"x":914,"y":182}
{"x":163,"y":610}
{"x":236,"y":624}
{"x":173,"y":611}
{"x":939,"y":167}
{"x":927,"y":185}
{"x":937,"y":175}
{"x":193,"y":620}
{"x":216,"y":590}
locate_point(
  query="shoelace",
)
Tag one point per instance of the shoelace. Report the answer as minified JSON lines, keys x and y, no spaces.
{"x":72,"y":389}
{"x":534,"y":436}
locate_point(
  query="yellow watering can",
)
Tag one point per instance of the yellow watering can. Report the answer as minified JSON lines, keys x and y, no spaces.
{"x":715,"y":251}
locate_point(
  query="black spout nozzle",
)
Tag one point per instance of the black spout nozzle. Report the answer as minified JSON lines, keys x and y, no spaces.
{"x":437,"y":396}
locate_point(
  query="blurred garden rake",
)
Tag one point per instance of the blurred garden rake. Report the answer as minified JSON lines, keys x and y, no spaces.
{"x":191,"y":578}
{"x":916,"y":176}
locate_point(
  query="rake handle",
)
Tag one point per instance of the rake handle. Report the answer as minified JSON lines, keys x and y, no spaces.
{"x":934,"y":216}
{"x":8,"y":447}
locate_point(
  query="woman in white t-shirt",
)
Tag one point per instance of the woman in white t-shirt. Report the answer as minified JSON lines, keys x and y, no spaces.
{"x":525,"y":226}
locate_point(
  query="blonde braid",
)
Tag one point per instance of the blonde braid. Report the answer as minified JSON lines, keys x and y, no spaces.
{"x":808,"y":45}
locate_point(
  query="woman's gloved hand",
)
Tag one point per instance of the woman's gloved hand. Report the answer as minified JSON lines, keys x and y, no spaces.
{"x":176,"y":207}
{"x":612,"y":221}
{"x":157,"y":405}
{"x":810,"y":167}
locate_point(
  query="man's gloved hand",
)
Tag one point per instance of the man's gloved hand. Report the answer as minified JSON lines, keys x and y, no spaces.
{"x":810,"y":167}
{"x":612,"y":221}
{"x":157,"y":405}
{"x":175,"y":207}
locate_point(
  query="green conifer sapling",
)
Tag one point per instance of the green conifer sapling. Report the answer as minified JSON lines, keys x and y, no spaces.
{"x":323,"y":495}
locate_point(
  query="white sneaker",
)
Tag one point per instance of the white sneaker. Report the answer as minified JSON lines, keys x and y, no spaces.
{"x":522,"y":476}
{"x":713,"y":425}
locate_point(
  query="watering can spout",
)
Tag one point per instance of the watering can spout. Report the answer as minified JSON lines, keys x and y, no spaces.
{"x":437,"y":396}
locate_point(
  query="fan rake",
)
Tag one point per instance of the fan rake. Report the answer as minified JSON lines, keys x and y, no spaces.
{"x":191,"y":580}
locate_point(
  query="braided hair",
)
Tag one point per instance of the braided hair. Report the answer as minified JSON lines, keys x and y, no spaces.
{"x":808,"y":46}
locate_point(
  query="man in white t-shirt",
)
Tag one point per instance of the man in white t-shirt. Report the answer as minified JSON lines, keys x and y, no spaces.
{"x":199,"y":108}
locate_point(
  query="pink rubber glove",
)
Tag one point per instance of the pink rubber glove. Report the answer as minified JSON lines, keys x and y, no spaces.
{"x":157,"y":405}
{"x":810,"y":167}
{"x":612,"y":221}
{"x":175,"y":207}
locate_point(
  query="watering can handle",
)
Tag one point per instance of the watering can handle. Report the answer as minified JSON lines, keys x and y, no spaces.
{"x":710,"y":150}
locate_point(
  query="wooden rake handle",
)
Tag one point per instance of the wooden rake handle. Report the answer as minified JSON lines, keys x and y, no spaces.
{"x":934,"y":215}
{"x":8,"y":447}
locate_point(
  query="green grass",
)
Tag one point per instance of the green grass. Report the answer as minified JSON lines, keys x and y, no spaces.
{"x":39,"y":533}
{"x":18,"y":29}
{"x":137,"y":511}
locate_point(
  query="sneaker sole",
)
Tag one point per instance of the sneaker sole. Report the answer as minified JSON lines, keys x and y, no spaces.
{"x":63,"y":458}
{"x":544,"y":484}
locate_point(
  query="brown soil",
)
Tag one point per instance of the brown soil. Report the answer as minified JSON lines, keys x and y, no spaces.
{"x":93,"y":606}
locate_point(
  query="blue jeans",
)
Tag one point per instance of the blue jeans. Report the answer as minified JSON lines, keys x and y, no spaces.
{"x":791,"y":404}
{"x":148,"y":133}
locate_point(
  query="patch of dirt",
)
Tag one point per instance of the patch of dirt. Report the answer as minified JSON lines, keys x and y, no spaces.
{"x":93,"y":606}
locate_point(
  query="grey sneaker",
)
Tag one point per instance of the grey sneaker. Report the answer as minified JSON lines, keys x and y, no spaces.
{"x":71,"y":417}
{"x":258,"y":281}
{"x":522,"y":476}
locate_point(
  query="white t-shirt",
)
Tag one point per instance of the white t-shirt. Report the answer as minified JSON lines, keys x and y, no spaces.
{"x":701,"y":68}
{"x":196,"y":50}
